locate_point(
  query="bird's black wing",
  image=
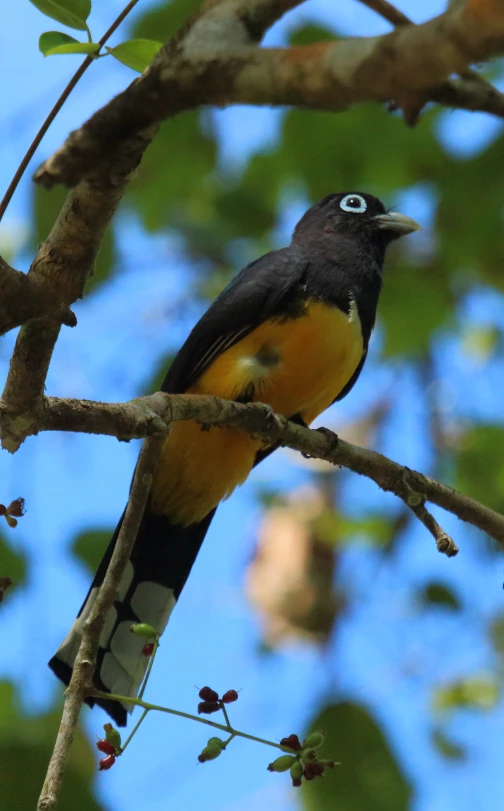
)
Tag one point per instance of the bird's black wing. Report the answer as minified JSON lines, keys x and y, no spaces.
{"x":260,"y":291}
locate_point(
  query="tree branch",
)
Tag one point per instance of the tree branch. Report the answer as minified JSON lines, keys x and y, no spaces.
{"x":63,"y":265}
{"x":152,"y":416}
{"x":80,"y":685}
{"x":22,"y":299}
{"x":215,"y":62}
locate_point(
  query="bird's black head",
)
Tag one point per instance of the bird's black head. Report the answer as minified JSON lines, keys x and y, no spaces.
{"x":354,"y":213}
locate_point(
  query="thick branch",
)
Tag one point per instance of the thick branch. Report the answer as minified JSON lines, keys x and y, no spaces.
{"x":85,"y":662}
{"x":22,"y":299}
{"x":213,"y":62}
{"x":255,"y":15}
{"x":151,"y":415}
{"x":63,"y":265}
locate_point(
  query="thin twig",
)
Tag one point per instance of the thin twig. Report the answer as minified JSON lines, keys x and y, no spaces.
{"x":444,"y":542}
{"x":387,"y":11}
{"x":85,"y":661}
{"x":57,"y":107}
{"x":416,"y":503}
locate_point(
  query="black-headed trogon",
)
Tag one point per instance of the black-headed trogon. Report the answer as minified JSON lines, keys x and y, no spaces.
{"x":291,"y":330}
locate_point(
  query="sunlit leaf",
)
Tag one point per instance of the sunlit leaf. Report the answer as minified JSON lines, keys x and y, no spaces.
{"x":136,"y":53}
{"x":477,"y":693}
{"x":78,"y":48}
{"x":52,"y":39}
{"x":480,"y":343}
{"x":72,"y":13}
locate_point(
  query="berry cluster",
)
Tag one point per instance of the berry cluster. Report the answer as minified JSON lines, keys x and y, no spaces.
{"x":14,"y":511}
{"x":303,"y":762}
{"x":110,"y":745}
{"x":211,"y":701}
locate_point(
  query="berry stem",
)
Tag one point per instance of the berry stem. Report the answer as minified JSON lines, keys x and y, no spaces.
{"x":142,"y":690}
{"x":226,"y":716}
{"x":149,"y":666}
{"x":139,"y":702}
{"x":133,"y":731}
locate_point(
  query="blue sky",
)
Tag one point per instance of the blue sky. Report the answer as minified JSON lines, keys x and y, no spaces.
{"x":214,"y":635}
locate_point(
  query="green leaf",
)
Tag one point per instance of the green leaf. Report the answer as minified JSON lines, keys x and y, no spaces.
{"x":310,"y":33}
{"x":169,"y":186}
{"x":447,"y":747}
{"x":369,"y":776}
{"x":156,"y":378}
{"x":72,"y":13}
{"x":13,"y":563}
{"x":52,"y":39}
{"x":440,"y":595}
{"x":414,"y":303}
{"x":162,"y":22}
{"x":480,"y":466}
{"x":496,"y":631}
{"x":30,"y":740}
{"x":477,"y":692}
{"x":90,"y":546}
{"x":77,"y":48}
{"x":136,"y":53}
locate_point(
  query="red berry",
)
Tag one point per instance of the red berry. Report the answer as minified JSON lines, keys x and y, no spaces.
{"x":106,"y":763}
{"x":292,"y":742}
{"x":104,"y":746}
{"x":296,"y":782}
{"x":148,"y":649}
{"x":208,"y":707}
{"x":207,"y":694}
{"x":312,"y":770}
{"x":230,"y":696}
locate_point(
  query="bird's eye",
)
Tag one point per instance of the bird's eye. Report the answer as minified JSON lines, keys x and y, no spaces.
{"x":354,"y":204}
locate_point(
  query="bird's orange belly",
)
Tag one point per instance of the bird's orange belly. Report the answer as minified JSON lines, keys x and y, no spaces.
{"x":297,"y":366}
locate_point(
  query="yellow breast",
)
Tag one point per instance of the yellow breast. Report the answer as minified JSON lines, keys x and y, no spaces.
{"x":297,"y":366}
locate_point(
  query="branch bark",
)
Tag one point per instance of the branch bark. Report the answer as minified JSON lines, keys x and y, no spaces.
{"x":22,"y":299}
{"x":152,"y":415}
{"x":59,"y":273}
{"x":215,"y":61}
{"x":85,"y":662}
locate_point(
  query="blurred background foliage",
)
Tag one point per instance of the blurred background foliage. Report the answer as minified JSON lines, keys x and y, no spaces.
{"x":325,"y":549}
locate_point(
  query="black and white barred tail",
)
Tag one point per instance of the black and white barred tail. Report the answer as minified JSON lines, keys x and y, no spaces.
{"x":158,"y":568}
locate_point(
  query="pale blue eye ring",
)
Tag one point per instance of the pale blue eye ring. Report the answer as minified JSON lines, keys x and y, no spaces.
{"x":354,"y":204}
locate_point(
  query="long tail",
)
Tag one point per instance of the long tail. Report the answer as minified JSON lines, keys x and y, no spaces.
{"x":158,"y":568}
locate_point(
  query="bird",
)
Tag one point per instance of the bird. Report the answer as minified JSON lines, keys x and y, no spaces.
{"x":292,"y":331}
